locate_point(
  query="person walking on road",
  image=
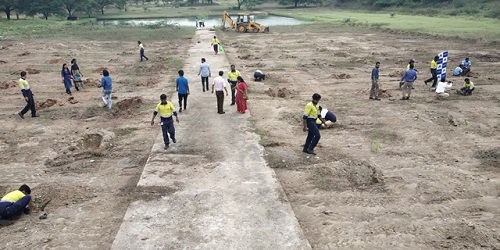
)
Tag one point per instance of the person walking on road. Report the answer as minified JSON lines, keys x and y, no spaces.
{"x":166,"y":109}
{"x":182,"y":88}
{"x":205,"y":73}
{"x":75,"y":72}
{"x":311,"y":113}
{"x":232,"y":78}
{"x":28,"y":96}
{"x":433,"y":72}
{"x":66,"y":78}
{"x":15,"y":203}
{"x":375,"y":87}
{"x":408,"y":79}
{"x":141,"y":51}
{"x":107,"y":88}
{"x":219,"y":86}
{"x":215,"y":45}
{"x":241,"y":95}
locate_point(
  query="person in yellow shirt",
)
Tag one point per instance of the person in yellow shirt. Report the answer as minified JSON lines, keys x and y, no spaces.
{"x":433,"y":72}
{"x":467,"y":88}
{"x":141,"y":51}
{"x":311,"y":113}
{"x":15,"y":203}
{"x":166,"y":110}
{"x":232,"y":78}
{"x":215,"y":44}
{"x":28,"y":96}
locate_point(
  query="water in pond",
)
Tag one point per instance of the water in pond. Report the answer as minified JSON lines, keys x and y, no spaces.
{"x":209,"y":22}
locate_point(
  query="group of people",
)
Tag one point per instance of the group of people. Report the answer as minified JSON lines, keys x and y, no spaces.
{"x":71,"y":77}
{"x":411,"y":74}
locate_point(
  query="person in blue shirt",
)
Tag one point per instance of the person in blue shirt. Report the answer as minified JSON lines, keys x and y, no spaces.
{"x":458,"y":70}
{"x":182,"y":88}
{"x":466,"y":66}
{"x":106,"y":88}
{"x":375,"y":86}
{"x":408,"y":78}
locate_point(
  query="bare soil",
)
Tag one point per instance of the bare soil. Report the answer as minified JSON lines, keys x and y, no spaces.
{"x":392,"y":174}
{"x":81,"y":160}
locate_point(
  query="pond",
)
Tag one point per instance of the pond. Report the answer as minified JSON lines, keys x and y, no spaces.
{"x":209,"y":22}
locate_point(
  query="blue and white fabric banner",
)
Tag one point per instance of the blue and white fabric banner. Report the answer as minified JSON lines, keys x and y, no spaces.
{"x":442,"y":62}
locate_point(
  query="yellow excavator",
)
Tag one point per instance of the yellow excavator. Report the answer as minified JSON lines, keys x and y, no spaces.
{"x":244,"y":23}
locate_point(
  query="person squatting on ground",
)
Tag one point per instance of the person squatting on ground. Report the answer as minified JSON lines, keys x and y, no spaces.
{"x":28,"y":96}
{"x":166,"y":109}
{"x":433,"y":72}
{"x":408,"y":79}
{"x":219,"y":86}
{"x":215,"y":45}
{"x":15,"y":203}
{"x":375,"y":87}
{"x":458,"y":70}
{"x":241,"y":95}
{"x":182,"y":88}
{"x":107,"y":88}
{"x":205,"y":73}
{"x":466,"y":64}
{"x":66,"y":78}
{"x":467,"y":88}
{"x":259,"y":76}
{"x":77,"y":75}
{"x":441,"y":89}
{"x":326,"y":118}
{"x":141,"y":51}
{"x":232,"y":78}
{"x":311,"y":113}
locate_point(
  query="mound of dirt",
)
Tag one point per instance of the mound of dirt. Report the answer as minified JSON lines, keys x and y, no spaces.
{"x":72,"y":100}
{"x":156,"y":68}
{"x":148,"y":82}
{"x":55,"y":61}
{"x":114,"y":60}
{"x":50,"y":196}
{"x":397,"y":73}
{"x":489,"y":157}
{"x":91,"y":81}
{"x":244,"y":57}
{"x":29,"y":70}
{"x":340,"y":54}
{"x":46,"y":104}
{"x":125,"y":53}
{"x":129,"y":103}
{"x":100,"y":69}
{"x":24,"y":53}
{"x":7,"y":84}
{"x":256,"y":65}
{"x":279,"y":92}
{"x":340,"y":76}
{"x":384,"y":93}
{"x":472,"y":74}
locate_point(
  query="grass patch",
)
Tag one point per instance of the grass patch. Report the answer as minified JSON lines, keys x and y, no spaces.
{"x":126,"y":131}
{"x":465,"y":27}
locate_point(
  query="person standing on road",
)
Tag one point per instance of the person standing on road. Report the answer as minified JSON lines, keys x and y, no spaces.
{"x":75,"y":72}
{"x":107,"y":88}
{"x":182,"y":88}
{"x":204,"y":73}
{"x":375,"y":87}
{"x":241,"y":95}
{"x":15,"y":203}
{"x":408,"y":78}
{"x":219,"y":86}
{"x":311,"y":113}
{"x":66,"y":78}
{"x":141,"y":51}
{"x":28,"y":96}
{"x":232,"y":78}
{"x":166,"y":109}
{"x":433,"y":72}
{"x":215,"y":44}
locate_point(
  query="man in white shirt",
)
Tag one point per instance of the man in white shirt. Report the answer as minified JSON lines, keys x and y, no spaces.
{"x":219,"y":86}
{"x":441,"y":89}
{"x":204,"y":73}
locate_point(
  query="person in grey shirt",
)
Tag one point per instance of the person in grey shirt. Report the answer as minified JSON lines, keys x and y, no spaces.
{"x":204,"y":73}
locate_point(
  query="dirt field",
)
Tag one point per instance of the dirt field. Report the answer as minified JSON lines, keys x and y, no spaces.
{"x":393,"y":174}
{"x":81,"y":160}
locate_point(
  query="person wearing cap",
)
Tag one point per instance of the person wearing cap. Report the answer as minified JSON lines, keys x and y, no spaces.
{"x":311,"y":114}
{"x":15,"y":203}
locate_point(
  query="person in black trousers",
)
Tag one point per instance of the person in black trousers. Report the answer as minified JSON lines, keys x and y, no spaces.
{"x":28,"y":96}
{"x":433,"y":72}
{"x":141,"y":50}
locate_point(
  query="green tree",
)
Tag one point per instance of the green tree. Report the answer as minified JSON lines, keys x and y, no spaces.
{"x":296,"y":3}
{"x":249,"y":4}
{"x":71,"y":5}
{"x":121,"y":4}
{"x":101,"y":4}
{"x":46,"y":8}
{"x":7,"y":6}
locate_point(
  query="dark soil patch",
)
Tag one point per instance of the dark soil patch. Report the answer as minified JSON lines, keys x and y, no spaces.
{"x":340,"y":76}
{"x":8,"y":84}
{"x":489,"y":158}
{"x":129,"y":103}
{"x":92,"y":141}
{"x":397,"y":73}
{"x":46,"y":104}
{"x":24,"y":53}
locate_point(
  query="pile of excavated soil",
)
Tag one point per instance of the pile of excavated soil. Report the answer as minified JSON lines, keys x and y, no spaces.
{"x":279,"y":92}
{"x":341,"y":76}
{"x":91,"y":81}
{"x":129,"y":103}
{"x":50,"y":196}
{"x":148,"y":82}
{"x":29,"y":70}
{"x":24,"y":53}
{"x":100,"y":69}
{"x":397,"y":73}
{"x":7,"y":84}
{"x":55,"y":61}
{"x":46,"y":104}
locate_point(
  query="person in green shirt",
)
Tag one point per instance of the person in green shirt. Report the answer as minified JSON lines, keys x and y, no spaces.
{"x":311,"y":113}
